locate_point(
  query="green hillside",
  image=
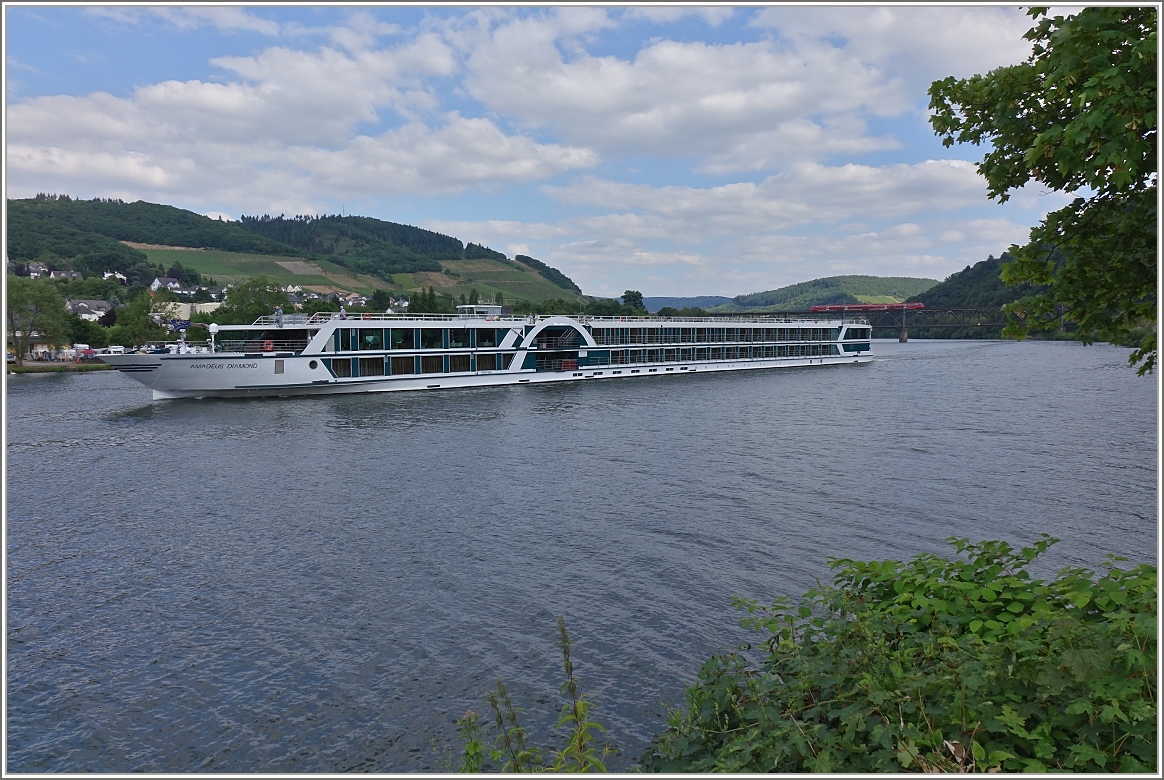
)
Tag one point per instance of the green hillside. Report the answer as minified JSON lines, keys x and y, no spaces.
{"x":976,"y":285}
{"x":346,"y":253}
{"x":832,"y":289}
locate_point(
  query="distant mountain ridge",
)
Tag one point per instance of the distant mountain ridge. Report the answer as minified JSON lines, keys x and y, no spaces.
{"x":831,"y":289}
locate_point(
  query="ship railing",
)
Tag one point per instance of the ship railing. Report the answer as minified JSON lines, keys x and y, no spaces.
{"x":259,"y":345}
{"x":565,"y":364}
{"x":188,"y":347}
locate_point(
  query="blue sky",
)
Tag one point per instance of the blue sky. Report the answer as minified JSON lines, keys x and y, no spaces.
{"x":675,"y":150}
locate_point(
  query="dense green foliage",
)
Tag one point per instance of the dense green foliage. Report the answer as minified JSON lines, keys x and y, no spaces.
{"x":832,"y":289}
{"x":691,"y":311}
{"x":978,"y":285}
{"x":552,"y":274}
{"x":363,"y":244}
{"x":1078,"y":115}
{"x":478,"y":252}
{"x":936,"y":664}
{"x":33,"y":306}
{"x":147,"y":223}
{"x":36,"y":233}
{"x":430,"y":302}
{"x":254,"y":298}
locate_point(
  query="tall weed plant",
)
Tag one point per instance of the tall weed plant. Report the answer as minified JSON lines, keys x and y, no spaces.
{"x":935,"y":664}
{"x":511,"y":751}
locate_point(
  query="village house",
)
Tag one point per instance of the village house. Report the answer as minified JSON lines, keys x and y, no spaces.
{"x":166,"y":282}
{"x":120,"y":277}
{"x":65,"y":275}
{"x":88,"y":309}
{"x":37,"y":270}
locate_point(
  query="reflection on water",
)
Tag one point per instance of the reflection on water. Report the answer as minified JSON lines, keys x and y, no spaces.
{"x":326,"y":584}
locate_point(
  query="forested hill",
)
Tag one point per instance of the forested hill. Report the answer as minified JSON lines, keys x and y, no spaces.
{"x":86,"y":236}
{"x":363,"y":244}
{"x":140,"y":222}
{"x":832,"y":289}
{"x":977,"y":285}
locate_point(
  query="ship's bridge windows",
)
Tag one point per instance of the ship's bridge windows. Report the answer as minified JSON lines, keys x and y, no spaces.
{"x":402,"y":338}
{"x":486,"y":337}
{"x":458,"y":338}
{"x":431,"y":338}
{"x":371,"y":338}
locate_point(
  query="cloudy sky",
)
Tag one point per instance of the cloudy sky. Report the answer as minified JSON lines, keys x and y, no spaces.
{"x":672,"y":150}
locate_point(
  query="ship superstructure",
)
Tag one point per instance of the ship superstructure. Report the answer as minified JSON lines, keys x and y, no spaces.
{"x":328,"y":353}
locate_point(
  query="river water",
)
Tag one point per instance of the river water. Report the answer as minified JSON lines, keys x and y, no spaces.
{"x":326,"y":584}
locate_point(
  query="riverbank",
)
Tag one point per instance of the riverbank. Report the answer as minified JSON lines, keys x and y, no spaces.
{"x":54,"y":366}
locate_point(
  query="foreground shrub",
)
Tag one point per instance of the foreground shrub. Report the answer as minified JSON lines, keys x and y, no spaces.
{"x":964,"y":664}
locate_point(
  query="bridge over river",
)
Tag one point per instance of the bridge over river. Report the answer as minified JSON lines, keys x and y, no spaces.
{"x":902,"y":319}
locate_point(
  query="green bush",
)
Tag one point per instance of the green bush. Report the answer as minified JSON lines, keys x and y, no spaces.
{"x":964,"y":664}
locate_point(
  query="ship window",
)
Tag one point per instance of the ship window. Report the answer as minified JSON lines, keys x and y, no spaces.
{"x":431,"y":338}
{"x":278,"y":366}
{"x":345,"y":340}
{"x":341,"y":366}
{"x":458,"y":363}
{"x":401,"y":339}
{"x":371,"y":338}
{"x":372,"y":366}
{"x":506,"y":360}
{"x":486,"y":337}
{"x":432,"y":364}
{"x":458,"y":339}
{"x":403,"y":365}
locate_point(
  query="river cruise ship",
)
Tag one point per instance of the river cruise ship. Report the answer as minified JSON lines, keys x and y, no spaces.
{"x":328,"y":353}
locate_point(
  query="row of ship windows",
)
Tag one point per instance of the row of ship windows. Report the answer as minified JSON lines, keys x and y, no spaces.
{"x":420,"y":364}
{"x":345,"y":339}
{"x":349,"y":339}
{"x":680,"y":355}
{"x":711,"y":335}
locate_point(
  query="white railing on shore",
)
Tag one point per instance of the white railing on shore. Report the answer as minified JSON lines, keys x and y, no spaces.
{"x":288,"y":320}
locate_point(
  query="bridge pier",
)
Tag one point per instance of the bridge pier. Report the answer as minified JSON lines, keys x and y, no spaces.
{"x":903,"y":335}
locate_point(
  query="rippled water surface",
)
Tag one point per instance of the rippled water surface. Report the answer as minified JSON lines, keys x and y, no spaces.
{"x":326,"y":584}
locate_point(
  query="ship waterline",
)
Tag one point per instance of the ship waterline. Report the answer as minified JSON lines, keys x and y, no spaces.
{"x":327,"y":353}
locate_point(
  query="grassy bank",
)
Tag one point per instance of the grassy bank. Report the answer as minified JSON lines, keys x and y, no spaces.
{"x":55,"y":367}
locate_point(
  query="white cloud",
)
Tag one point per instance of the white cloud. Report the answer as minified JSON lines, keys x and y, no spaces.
{"x":742,"y":105}
{"x":806,"y":193}
{"x":225,"y":18}
{"x":917,"y":43}
{"x":713,"y":16}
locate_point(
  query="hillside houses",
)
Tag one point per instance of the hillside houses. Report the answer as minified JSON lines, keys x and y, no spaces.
{"x":89,"y":309}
